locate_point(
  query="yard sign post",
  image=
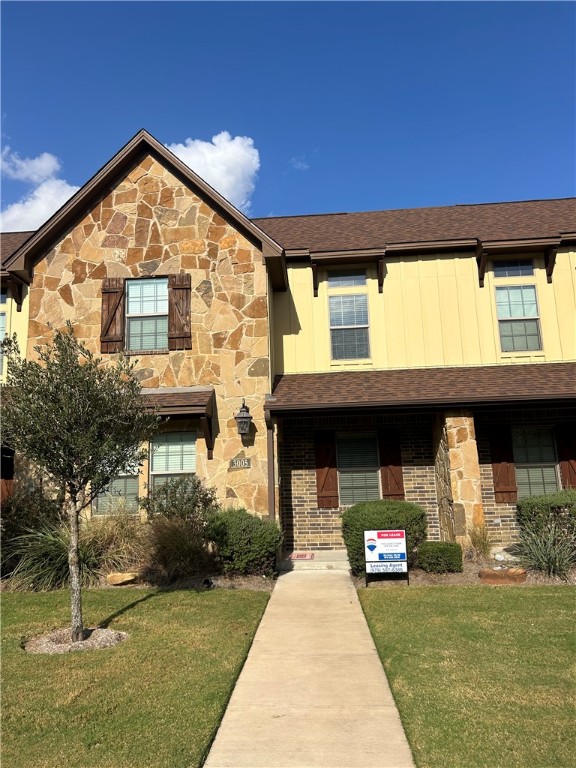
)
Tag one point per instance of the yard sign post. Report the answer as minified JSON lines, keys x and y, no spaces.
{"x":385,"y":552}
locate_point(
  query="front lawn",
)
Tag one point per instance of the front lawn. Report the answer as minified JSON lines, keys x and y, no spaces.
{"x":155,"y":700}
{"x":483,"y":677}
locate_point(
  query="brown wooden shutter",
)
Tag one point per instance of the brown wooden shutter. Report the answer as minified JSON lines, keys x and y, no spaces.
{"x":326,"y":470}
{"x":112,"y":328}
{"x":566,"y":445}
{"x":179,"y":331}
{"x":390,"y":465}
{"x":503,"y":469}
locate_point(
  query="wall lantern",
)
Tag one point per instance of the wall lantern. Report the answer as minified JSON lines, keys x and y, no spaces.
{"x":243,"y":419}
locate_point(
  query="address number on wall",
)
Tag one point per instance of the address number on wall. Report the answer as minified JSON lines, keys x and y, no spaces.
{"x":240,"y":463}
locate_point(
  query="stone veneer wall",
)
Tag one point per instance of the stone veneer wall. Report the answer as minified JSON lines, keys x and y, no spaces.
{"x":443,"y":480}
{"x":464,"y":472}
{"x":307,"y":527}
{"x":152,"y":224}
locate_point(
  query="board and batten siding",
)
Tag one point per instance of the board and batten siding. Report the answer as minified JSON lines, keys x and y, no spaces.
{"x":432,"y":312}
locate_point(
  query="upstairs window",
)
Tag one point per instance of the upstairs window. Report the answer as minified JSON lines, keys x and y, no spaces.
{"x":536,"y":461}
{"x":147,"y":314}
{"x":518,"y":319}
{"x":172,"y":454}
{"x":513,"y":268}
{"x":348,"y":316}
{"x":358,"y":468}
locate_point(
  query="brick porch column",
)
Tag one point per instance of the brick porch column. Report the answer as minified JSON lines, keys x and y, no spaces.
{"x":464,"y":472}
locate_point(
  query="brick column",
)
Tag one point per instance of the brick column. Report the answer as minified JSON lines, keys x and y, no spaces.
{"x":464,"y":472}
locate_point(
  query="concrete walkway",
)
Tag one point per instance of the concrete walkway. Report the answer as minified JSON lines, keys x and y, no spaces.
{"x":312,"y":693}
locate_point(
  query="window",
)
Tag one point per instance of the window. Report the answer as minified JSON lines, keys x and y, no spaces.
{"x":147,"y":314}
{"x":172,"y":454}
{"x":348,"y":317}
{"x":3,"y":295}
{"x":358,"y":468}
{"x":518,"y":323}
{"x":513,"y":268}
{"x":536,"y":461}
{"x":121,"y":493}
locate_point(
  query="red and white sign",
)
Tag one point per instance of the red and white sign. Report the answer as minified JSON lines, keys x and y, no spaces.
{"x":385,"y":551}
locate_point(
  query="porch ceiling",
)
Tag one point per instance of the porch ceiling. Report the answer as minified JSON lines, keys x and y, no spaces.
{"x":423,"y":387}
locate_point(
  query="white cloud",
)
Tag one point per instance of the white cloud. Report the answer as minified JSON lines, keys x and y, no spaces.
{"x":299,"y":163}
{"x":37,"y":206}
{"x":227,"y":163}
{"x":32,"y":169}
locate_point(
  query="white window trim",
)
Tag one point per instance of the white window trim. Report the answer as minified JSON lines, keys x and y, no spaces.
{"x":135,"y":316}
{"x":352,"y":290}
{"x":535,"y":318}
{"x":178,"y":473}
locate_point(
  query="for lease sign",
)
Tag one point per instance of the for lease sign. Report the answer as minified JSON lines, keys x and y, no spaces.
{"x":385,"y":552}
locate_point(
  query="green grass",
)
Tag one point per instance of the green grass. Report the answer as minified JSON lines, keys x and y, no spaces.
{"x":155,"y":700}
{"x":483,"y":677}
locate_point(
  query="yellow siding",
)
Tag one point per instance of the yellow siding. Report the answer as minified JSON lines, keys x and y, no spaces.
{"x":432,"y":312}
{"x":16,"y":322}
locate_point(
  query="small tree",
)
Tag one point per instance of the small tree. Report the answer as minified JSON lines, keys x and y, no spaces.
{"x":80,"y":420}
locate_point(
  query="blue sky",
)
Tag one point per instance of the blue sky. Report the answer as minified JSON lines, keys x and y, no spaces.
{"x":327,"y":106}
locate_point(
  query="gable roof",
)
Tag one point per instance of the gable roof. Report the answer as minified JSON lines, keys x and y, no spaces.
{"x":488,"y":222}
{"x":139,"y":146}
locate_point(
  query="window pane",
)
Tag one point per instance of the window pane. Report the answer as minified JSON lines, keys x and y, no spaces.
{"x":350,"y":344}
{"x":358,"y":486}
{"x":513,"y":268}
{"x":3,"y":295}
{"x":346,"y":279}
{"x":174,"y":452}
{"x":121,"y":494}
{"x":533,"y":445}
{"x":357,"y":451}
{"x":536,"y":481}
{"x":147,"y":297}
{"x":348,"y":310}
{"x":148,"y":333}
{"x":516,"y":301}
{"x":519,"y":336}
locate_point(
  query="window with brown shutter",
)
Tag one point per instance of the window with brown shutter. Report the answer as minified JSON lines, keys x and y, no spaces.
{"x":391,"y":477}
{"x":326,"y":470}
{"x":503,"y":470}
{"x":566,"y":445}
{"x":179,"y":331}
{"x":112,"y":322}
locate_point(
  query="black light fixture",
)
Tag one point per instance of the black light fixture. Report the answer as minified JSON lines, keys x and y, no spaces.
{"x":243,"y":419}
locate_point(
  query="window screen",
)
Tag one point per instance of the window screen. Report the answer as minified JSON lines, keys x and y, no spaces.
{"x":358,"y":468}
{"x":535,"y":459}
{"x":121,"y":494}
{"x":172,"y":453}
{"x":147,"y":314}
{"x":349,"y":327}
{"x":513,"y":268}
{"x":518,"y":318}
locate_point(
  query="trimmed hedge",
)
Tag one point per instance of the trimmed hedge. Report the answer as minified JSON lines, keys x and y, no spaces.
{"x":538,"y":512}
{"x":245,"y":544}
{"x":440,"y":557}
{"x":381,"y":515}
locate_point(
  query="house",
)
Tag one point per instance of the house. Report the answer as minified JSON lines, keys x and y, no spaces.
{"x":425,"y":354}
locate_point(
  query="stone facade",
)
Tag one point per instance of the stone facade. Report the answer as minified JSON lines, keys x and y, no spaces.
{"x":306,"y":526}
{"x":443,"y":480}
{"x":464,"y":472}
{"x":153,"y":224}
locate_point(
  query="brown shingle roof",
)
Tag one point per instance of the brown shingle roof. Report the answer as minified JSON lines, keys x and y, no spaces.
{"x":374,"y":229}
{"x":11,"y":241}
{"x":424,"y":386}
{"x":196,"y":401}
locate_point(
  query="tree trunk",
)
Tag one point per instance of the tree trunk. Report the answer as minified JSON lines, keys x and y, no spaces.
{"x":74,"y":507}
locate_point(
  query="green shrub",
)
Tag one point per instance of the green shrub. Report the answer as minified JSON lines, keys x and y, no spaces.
{"x":546,"y":548}
{"x":177,"y":550}
{"x":245,"y":544}
{"x":26,"y":510}
{"x":381,"y":515}
{"x":440,"y":557}
{"x":537,"y":512}
{"x":182,"y":498}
